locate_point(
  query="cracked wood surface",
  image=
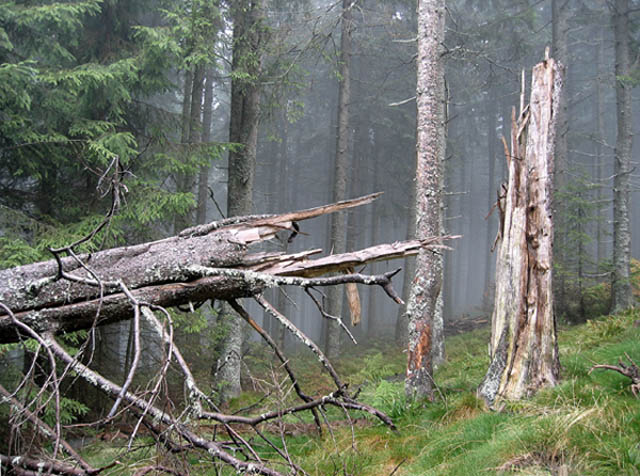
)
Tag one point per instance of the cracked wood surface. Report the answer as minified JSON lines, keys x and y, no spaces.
{"x":166,"y":273}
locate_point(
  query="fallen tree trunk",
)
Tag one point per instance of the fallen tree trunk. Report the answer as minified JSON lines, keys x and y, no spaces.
{"x":210,"y":261}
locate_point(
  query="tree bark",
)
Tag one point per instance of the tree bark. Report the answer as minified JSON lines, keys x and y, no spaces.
{"x":402,"y":324}
{"x":622,"y":296}
{"x":430,"y":146}
{"x":243,"y":130}
{"x":560,"y":17}
{"x":185,"y":125}
{"x":207,"y":262}
{"x":339,"y":220}
{"x":203,"y":177}
{"x":523,"y":348}
{"x":598,"y":106}
{"x":492,"y":102}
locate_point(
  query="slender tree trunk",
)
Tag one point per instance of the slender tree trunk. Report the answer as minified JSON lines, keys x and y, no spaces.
{"x":203,"y":178}
{"x":284,"y":199}
{"x":372,"y":310}
{"x":523,"y":348}
{"x":243,"y":129}
{"x":179,"y":222}
{"x":402,"y":323}
{"x":430,"y":147}
{"x":492,"y":100}
{"x":622,"y":297}
{"x":338,"y":221}
{"x":351,"y":294}
{"x":599,"y":159}
{"x":191,"y":129}
{"x":560,"y":16}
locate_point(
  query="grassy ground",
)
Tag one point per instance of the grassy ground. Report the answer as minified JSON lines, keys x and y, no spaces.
{"x":588,"y":425}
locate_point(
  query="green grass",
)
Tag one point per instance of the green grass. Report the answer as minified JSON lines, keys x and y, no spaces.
{"x":587,"y":425}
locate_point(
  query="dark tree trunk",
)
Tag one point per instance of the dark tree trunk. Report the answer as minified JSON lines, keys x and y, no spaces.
{"x":622,"y":296}
{"x":598,"y":173}
{"x":492,"y":139}
{"x":203,"y":178}
{"x":560,"y":17}
{"x":338,"y":221}
{"x":243,"y":129}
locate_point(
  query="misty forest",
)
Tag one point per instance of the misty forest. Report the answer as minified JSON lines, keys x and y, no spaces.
{"x":312,"y":237}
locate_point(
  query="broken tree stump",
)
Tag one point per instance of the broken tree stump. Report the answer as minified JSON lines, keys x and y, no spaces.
{"x":523,"y":347}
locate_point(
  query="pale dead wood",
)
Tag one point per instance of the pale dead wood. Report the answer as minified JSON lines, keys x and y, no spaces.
{"x":194,"y":283}
{"x":83,"y":291}
{"x":523,"y":347}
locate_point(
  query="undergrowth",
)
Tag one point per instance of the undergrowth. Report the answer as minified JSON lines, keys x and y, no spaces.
{"x":587,"y":425}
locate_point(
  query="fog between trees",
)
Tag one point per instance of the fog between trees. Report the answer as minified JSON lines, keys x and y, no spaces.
{"x":47,"y":183}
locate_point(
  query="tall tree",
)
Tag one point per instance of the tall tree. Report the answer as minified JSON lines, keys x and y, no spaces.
{"x":248,"y":38}
{"x":622,"y":297}
{"x":203,"y":177}
{"x":560,"y":17}
{"x":338,"y":237}
{"x":427,"y":284}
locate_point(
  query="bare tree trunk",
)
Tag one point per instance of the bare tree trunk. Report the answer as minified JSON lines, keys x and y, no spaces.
{"x":179,"y":222}
{"x":243,"y":129}
{"x":430,"y":147}
{"x":523,"y":348}
{"x":599,"y":159}
{"x":203,"y":178}
{"x":402,"y":324}
{"x":622,"y":297}
{"x":560,"y":16}
{"x":284,"y":195}
{"x":338,"y":221}
{"x":204,"y":262}
{"x":492,"y":101}
{"x":373,"y":313}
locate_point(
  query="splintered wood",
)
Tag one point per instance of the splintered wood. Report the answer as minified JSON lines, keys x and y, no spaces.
{"x":210,"y":261}
{"x":523,"y":348}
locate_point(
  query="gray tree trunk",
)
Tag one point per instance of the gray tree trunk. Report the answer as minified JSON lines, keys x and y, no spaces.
{"x":427,"y":284}
{"x":560,"y":17}
{"x":339,"y":220}
{"x":284,"y":198}
{"x":599,"y":156}
{"x":187,"y":89}
{"x":243,"y":129}
{"x":203,"y":178}
{"x":523,"y":348}
{"x":622,"y":297}
{"x":402,"y":324}
{"x":204,"y":262}
{"x":492,"y":139}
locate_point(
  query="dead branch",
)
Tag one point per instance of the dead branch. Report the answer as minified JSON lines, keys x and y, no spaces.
{"x":75,"y":291}
{"x":46,"y":429}
{"x":21,"y":465}
{"x":629,"y":370}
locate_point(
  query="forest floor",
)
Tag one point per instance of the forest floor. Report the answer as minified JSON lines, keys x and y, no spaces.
{"x":587,"y":425}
